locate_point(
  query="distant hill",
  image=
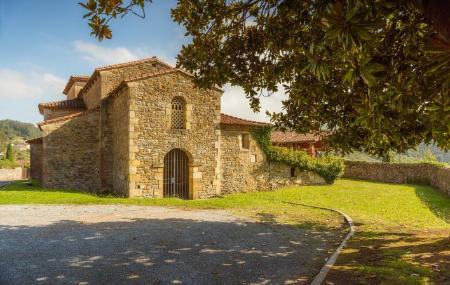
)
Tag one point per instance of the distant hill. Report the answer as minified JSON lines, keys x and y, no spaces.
{"x":13,"y":131}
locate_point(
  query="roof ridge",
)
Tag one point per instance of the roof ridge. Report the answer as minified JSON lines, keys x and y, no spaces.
{"x":226,"y":119}
{"x":59,"y":101}
{"x":70,"y":116}
{"x":234,"y":117}
{"x":58,"y":119}
{"x":76,"y":103}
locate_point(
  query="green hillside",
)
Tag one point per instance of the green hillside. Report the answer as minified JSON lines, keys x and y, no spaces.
{"x":15,"y":131}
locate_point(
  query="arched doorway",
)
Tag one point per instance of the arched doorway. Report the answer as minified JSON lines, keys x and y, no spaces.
{"x":176,"y":174}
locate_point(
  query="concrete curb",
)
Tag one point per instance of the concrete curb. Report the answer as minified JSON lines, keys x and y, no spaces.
{"x":320,"y":277}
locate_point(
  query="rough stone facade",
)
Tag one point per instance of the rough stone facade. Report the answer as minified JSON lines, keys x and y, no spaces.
{"x":71,"y":153}
{"x":436,"y":176}
{"x":120,"y":143}
{"x":36,"y":155}
{"x":250,"y":169}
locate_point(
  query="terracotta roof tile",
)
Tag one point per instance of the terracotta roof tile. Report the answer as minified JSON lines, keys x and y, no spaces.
{"x":279,"y":137}
{"x":65,"y":104}
{"x":235,"y":121}
{"x":73,"y":79}
{"x":34,"y":141}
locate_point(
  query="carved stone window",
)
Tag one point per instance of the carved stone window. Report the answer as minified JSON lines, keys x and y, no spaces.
{"x":178,"y":113}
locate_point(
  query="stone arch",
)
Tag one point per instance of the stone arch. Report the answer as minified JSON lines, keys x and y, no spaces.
{"x":177,"y":174}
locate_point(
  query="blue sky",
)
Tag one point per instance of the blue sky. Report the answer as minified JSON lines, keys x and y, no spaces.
{"x":43,"y":42}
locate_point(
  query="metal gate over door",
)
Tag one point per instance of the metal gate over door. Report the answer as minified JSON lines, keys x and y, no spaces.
{"x":176,"y":174}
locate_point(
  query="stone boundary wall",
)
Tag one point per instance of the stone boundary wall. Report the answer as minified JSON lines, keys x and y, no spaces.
{"x":13,"y":174}
{"x":421,"y":173}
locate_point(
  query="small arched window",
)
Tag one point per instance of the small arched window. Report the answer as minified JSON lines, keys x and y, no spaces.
{"x":178,"y":113}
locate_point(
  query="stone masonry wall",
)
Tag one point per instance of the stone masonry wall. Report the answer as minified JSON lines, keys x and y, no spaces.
{"x":36,"y":161}
{"x":91,"y":97}
{"x":110,"y":79}
{"x":11,"y":174}
{"x":115,"y":143}
{"x":56,"y":113}
{"x":151,"y":136}
{"x":71,"y":153}
{"x":246,"y":170}
{"x":436,"y":176}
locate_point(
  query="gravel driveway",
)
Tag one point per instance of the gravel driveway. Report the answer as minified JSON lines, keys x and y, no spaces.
{"x":152,"y":245}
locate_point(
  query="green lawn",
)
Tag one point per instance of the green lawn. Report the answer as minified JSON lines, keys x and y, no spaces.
{"x":402,"y":236}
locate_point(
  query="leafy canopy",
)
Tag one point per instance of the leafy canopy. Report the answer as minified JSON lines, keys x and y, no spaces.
{"x":374,"y":73}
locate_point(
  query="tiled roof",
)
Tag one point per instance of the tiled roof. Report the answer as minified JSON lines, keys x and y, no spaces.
{"x":36,"y":140}
{"x":66,"y":104}
{"x":279,"y":137}
{"x":235,"y":121}
{"x":73,"y":79}
{"x":60,"y":119}
{"x":108,"y":67}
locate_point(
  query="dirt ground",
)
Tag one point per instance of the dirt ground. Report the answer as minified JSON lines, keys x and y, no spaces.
{"x":116,"y":244}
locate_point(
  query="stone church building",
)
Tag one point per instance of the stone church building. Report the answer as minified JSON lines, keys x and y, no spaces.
{"x":143,"y":129}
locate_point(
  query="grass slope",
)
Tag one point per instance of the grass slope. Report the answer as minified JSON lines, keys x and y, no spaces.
{"x":402,"y":236}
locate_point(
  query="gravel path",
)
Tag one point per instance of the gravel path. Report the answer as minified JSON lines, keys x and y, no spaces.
{"x":152,"y":245}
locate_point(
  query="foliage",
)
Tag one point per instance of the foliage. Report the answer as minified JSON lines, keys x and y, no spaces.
{"x":11,"y":129}
{"x":328,"y":167}
{"x":8,"y":164}
{"x":375,"y":73}
{"x":100,"y":12}
{"x":10,"y":153}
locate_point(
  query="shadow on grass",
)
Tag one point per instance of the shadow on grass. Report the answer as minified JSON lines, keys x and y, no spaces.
{"x":436,"y":201}
{"x":160,"y":251}
{"x":34,"y":185}
{"x":394,"y":258}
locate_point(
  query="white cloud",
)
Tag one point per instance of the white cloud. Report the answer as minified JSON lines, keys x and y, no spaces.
{"x":22,"y":91}
{"x":18,"y":85}
{"x":235,"y":103}
{"x":102,"y":55}
{"x":99,"y":55}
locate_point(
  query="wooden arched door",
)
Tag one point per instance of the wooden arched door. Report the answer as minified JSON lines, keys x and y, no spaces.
{"x":176,"y":174}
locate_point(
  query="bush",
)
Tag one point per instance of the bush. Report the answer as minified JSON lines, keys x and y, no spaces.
{"x":328,"y":167}
{"x":5,"y":163}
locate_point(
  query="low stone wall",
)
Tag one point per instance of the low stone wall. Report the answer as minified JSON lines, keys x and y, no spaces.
{"x":13,"y":174}
{"x":247,"y":170}
{"x":423,"y":173}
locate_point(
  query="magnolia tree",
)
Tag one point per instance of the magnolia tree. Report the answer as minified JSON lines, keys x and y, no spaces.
{"x":375,"y":74}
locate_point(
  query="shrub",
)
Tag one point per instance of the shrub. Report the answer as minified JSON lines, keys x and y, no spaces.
{"x":5,"y":163}
{"x":10,"y":152}
{"x":328,"y":167}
